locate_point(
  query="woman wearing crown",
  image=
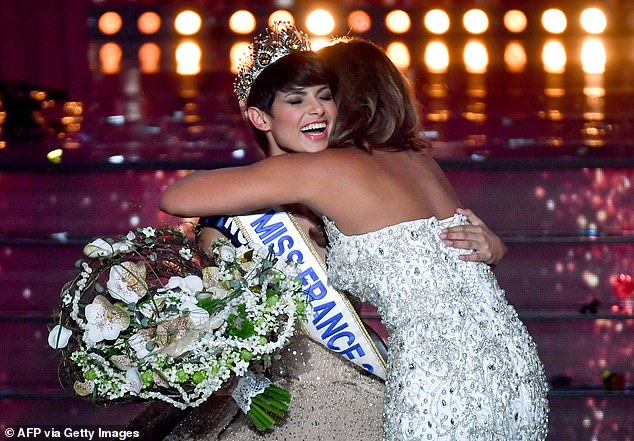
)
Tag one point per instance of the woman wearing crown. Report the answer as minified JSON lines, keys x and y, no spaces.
{"x":285,"y":95}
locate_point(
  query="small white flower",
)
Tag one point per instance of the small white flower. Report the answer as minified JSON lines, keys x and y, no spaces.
{"x":190,"y":284}
{"x":59,"y":336}
{"x":148,"y":231}
{"x":130,"y":235}
{"x":105,"y":321}
{"x":227,"y":253}
{"x":127,"y":282}
{"x":133,"y":381}
{"x":185,"y":253}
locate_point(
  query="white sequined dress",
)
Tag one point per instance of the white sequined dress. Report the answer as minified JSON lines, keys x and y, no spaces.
{"x":461,"y":365}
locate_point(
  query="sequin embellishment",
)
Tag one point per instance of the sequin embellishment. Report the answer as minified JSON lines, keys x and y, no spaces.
{"x":461,"y":365}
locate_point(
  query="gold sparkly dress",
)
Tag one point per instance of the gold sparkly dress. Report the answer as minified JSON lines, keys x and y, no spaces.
{"x":332,"y":399}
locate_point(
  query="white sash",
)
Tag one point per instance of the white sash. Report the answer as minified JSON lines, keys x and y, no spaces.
{"x":335,"y":324}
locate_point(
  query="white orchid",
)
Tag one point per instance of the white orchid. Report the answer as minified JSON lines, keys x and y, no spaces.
{"x":127,"y":282}
{"x":105,"y":321}
{"x":59,"y":336}
{"x":191,"y":284}
{"x":138,"y":342}
{"x":102,"y":248}
{"x":133,"y":380}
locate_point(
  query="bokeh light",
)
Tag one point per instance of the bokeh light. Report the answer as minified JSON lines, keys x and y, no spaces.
{"x":437,"y":21}
{"x":515,"y":21}
{"x":149,"y":23}
{"x":554,"y":21}
{"x":475,"y":21}
{"x":188,"y":23}
{"x":593,"y":20}
{"x":515,"y":57}
{"x":188,"y":56}
{"x":320,"y":22}
{"x":317,"y":43}
{"x":593,"y":56}
{"x":55,"y":156}
{"x":242,"y":22}
{"x":237,"y":52}
{"x":150,"y":58}
{"x":359,"y":21}
{"x":281,"y":15}
{"x":110,"y":57}
{"x":110,"y":23}
{"x":554,"y":57}
{"x":398,"y":21}
{"x":436,"y":57}
{"x":399,"y":54}
{"x":476,"y":57}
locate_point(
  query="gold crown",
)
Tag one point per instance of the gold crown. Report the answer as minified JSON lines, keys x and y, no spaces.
{"x":268,"y":47}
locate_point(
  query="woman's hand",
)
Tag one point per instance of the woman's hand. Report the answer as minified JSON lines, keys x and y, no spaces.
{"x":477,"y":236}
{"x":206,"y":236}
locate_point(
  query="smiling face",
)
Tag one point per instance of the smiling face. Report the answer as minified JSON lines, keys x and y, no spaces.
{"x":300,"y":120}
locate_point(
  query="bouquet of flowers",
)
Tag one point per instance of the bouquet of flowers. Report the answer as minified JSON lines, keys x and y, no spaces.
{"x":150,"y":316}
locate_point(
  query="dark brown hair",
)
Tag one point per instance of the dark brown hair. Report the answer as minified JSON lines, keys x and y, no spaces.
{"x":298,"y":69}
{"x":375,"y":104}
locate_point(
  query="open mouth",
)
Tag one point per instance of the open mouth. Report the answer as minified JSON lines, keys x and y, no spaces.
{"x":314,"y":129}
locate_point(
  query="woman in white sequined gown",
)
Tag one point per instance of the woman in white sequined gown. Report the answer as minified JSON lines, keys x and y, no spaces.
{"x":461,"y":365}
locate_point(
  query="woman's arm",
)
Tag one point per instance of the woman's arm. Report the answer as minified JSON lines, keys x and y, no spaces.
{"x":267,"y":183}
{"x":477,"y":236}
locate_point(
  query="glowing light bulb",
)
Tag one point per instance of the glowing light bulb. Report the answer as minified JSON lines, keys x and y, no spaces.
{"x":281,"y":15}
{"x":110,"y":57}
{"x":515,"y":57}
{"x":317,"y":43}
{"x":110,"y":23}
{"x":475,"y":21}
{"x":149,"y":58}
{"x":398,"y":21}
{"x":188,"y":23}
{"x":554,"y":21}
{"x":593,"y":20}
{"x":436,"y":57}
{"x":320,"y":22}
{"x":554,"y":57}
{"x":476,"y":58}
{"x":399,"y":54}
{"x":242,"y":22}
{"x":515,"y":21}
{"x":359,"y":21}
{"x":188,"y":56}
{"x":437,"y":21}
{"x":237,"y":52}
{"x":593,"y":56}
{"x":149,"y":23}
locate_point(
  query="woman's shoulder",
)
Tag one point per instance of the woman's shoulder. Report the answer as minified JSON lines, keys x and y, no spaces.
{"x":327,"y":162}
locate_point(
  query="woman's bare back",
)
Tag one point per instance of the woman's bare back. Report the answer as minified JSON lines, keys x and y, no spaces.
{"x":364,"y":192}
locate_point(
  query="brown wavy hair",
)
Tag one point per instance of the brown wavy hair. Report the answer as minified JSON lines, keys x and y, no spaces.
{"x":376,"y":108}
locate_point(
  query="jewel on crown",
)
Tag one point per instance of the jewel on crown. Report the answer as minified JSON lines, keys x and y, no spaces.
{"x":268,"y":47}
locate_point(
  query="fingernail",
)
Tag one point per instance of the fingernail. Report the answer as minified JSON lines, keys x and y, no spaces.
{"x":443,"y":234}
